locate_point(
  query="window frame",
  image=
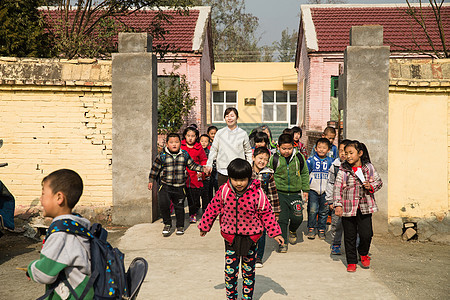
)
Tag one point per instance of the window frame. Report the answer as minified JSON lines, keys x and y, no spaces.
{"x":224,"y":103}
{"x":288,"y":103}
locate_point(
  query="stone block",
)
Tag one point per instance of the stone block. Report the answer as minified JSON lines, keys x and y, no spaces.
{"x":134,"y":42}
{"x":408,"y":234}
{"x":367,"y":35}
{"x":396,"y":226}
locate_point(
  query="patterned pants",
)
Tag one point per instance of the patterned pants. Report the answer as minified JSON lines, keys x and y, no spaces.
{"x":232,"y":272}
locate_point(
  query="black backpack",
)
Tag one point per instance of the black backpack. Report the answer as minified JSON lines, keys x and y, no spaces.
{"x":108,"y":275}
{"x":276,"y":157}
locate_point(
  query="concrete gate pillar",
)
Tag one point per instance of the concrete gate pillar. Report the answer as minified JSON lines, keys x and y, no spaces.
{"x":134,"y":128}
{"x":366,"y":104}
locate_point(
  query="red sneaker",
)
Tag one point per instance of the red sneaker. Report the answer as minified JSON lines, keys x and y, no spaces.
{"x":365,"y":261}
{"x":351,"y":268}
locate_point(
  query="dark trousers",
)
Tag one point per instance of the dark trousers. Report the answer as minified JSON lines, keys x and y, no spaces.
{"x":206,"y":195}
{"x":213,"y":185}
{"x":221,"y":179}
{"x":261,"y":244}
{"x":291,"y":215}
{"x":317,"y":207}
{"x":359,"y":224}
{"x":167,"y":194}
{"x":193,"y":196}
{"x":232,"y":261}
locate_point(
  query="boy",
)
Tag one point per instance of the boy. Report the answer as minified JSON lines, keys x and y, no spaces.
{"x":318,"y":166}
{"x":336,"y":229}
{"x":330,"y":134}
{"x":63,"y":252}
{"x":291,"y":178}
{"x":262,"y":173}
{"x":171,"y":165}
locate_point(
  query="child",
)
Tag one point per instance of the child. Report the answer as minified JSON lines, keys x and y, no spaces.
{"x":207,"y":190}
{"x":211,"y":132}
{"x":244,"y":213}
{"x":291,"y":178}
{"x":330,"y":134}
{"x":214,"y":186}
{"x":355,"y":202}
{"x":297,"y":131}
{"x":261,"y":139}
{"x":318,"y":166}
{"x":170,"y":165}
{"x":261,"y":157}
{"x":336,"y":222}
{"x":63,"y":252}
{"x":194,"y":183}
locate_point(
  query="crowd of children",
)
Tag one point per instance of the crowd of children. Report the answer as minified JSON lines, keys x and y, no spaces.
{"x":257,"y":187}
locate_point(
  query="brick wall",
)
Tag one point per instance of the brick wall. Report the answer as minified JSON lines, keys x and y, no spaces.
{"x":56,"y":114}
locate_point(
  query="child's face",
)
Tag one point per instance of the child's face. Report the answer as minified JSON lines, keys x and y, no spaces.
{"x":212,"y":134}
{"x":49,"y":200}
{"x":204,"y":141}
{"x":353,"y":156}
{"x":173,"y":144}
{"x":190,"y":137}
{"x":260,"y":144}
{"x":296,"y":136}
{"x":239,"y":184}
{"x":322,"y":150}
{"x":330,"y":136}
{"x":231,"y":119}
{"x":342,"y":155}
{"x":286,"y":149}
{"x":261,"y":160}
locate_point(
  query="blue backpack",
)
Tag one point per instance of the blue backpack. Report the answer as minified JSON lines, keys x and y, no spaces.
{"x":108,"y":275}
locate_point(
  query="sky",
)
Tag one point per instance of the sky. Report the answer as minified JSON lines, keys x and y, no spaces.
{"x":277,"y":15}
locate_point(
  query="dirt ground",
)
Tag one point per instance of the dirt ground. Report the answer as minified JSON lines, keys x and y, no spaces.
{"x":411,"y":270}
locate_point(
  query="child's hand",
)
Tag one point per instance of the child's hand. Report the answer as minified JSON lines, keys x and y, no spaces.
{"x":207,"y":170}
{"x":203,"y":233}
{"x":331,"y":206}
{"x":367,"y":185}
{"x":338,"y":211}
{"x":150,"y":185}
{"x":305,"y":196}
{"x":279,"y":239}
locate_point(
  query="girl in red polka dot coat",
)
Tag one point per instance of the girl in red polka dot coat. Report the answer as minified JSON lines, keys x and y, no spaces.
{"x":244,"y":212}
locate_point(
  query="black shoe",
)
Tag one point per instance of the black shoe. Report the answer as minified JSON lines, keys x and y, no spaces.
{"x":166,"y":230}
{"x":180,"y":230}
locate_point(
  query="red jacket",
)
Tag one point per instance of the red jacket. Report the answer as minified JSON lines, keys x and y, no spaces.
{"x":199,"y":156}
{"x":249,"y":216}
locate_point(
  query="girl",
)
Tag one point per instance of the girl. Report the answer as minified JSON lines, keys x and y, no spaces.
{"x":244,"y":213}
{"x":261,"y":139}
{"x":297,"y":132}
{"x":229,"y":143}
{"x":356,"y":182}
{"x":207,"y":193}
{"x":194,"y":182}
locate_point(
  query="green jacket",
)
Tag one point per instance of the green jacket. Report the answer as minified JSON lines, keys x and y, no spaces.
{"x":289,"y":178}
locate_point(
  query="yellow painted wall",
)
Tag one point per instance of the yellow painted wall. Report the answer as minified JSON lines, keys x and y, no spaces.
{"x":419,"y":151}
{"x":250,"y":79}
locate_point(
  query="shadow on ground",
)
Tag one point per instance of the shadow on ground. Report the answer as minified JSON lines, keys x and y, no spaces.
{"x":265,"y":284}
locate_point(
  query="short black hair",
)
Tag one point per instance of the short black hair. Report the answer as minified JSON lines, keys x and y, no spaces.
{"x":288,"y":131}
{"x":261,"y":137}
{"x":345,"y":142}
{"x":173,"y":134}
{"x":67,"y":182}
{"x":261,"y":150}
{"x":239,"y":169}
{"x":329,"y":129}
{"x":211,"y":128}
{"x":206,"y":136}
{"x":230,"y":109}
{"x":296,"y":129}
{"x":324,"y":141}
{"x":285,"y":138}
{"x":191,"y":128}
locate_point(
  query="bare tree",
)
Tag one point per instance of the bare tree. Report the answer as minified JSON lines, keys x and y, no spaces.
{"x":326,"y":1}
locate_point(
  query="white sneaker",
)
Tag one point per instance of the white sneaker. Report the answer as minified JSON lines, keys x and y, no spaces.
{"x":258,"y":263}
{"x":166,"y":230}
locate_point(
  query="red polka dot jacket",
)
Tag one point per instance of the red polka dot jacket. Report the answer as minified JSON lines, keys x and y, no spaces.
{"x":245,"y":215}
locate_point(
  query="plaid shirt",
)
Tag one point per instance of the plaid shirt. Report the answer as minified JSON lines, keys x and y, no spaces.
{"x":349,"y":191}
{"x":172,"y":167}
{"x":271,"y":193}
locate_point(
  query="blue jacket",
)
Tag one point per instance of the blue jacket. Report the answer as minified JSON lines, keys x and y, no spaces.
{"x":318,"y":172}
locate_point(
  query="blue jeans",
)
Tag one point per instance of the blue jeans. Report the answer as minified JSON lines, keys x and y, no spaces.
{"x":317,"y":206}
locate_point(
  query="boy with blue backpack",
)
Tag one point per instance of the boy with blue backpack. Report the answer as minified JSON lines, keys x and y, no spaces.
{"x":63,"y":252}
{"x":264,"y":174}
{"x":318,"y":166}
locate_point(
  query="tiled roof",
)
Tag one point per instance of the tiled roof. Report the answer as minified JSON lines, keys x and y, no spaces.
{"x":332,"y":26}
{"x":182,"y":29}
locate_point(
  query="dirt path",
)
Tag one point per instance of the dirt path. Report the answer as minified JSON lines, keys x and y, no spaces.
{"x":410,"y":270}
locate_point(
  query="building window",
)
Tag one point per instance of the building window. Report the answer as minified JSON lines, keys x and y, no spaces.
{"x":222,"y":100}
{"x":280,"y":107}
{"x":334,"y":102}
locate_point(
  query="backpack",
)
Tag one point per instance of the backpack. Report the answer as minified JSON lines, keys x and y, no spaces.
{"x":108,"y":275}
{"x":265,"y":181}
{"x":276,"y":158}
